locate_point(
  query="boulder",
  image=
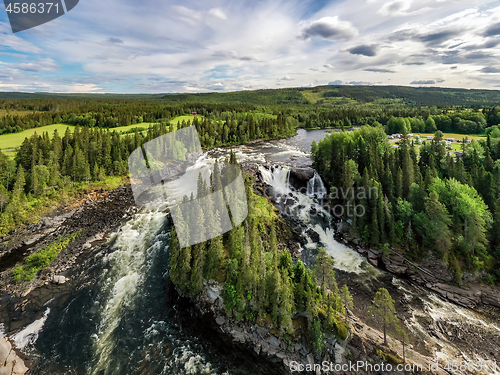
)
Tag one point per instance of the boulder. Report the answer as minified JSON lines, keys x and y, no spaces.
{"x":395,"y":264}
{"x":491,"y":298}
{"x":313,"y":235}
{"x":299,"y":177}
{"x":5,"y":348}
{"x":59,"y":279}
{"x":373,"y":258}
{"x":7,"y":370}
{"x":19,"y":367}
{"x":10,"y":363}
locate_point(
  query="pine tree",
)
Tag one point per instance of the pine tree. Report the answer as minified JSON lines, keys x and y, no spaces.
{"x":286,"y":304}
{"x":20,"y":181}
{"x":347,"y":301}
{"x":383,"y":310}
{"x":324,"y":272}
{"x":4,"y":197}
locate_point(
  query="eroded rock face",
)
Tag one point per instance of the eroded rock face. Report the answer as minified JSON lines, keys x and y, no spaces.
{"x":10,"y":362}
{"x":300,"y":176}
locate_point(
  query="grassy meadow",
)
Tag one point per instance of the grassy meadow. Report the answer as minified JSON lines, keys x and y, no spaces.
{"x":14,"y":140}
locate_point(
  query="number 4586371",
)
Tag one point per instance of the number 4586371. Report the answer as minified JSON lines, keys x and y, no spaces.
{"x":32,"y":8}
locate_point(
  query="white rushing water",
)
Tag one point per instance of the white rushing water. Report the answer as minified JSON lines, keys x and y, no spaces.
{"x":29,"y":334}
{"x":345,"y":258}
{"x":128,"y":268}
{"x":316,"y":187}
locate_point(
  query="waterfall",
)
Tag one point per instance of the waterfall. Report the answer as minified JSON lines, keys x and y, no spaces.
{"x":278,"y":178}
{"x":345,"y":258}
{"x":128,"y":267}
{"x":316,"y":187}
{"x":313,"y":216}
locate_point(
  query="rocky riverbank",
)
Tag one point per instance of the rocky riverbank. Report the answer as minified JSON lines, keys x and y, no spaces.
{"x":268,"y":352}
{"x":96,"y":215}
{"x":427,"y":273}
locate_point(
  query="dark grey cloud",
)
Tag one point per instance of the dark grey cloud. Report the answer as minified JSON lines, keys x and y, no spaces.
{"x":336,"y":82}
{"x":456,"y":45}
{"x":490,"y":69}
{"x":489,"y":43}
{"x":453,"y":67}
{"x":330,"y":28}
{"x":476,"y":56}
{"x":492,"y":30}
{"x":231,"y":55}
{"x":414,"y":63}
{"x":377,"y":70}
{"x":115,"y":41}
{"x":394,"y":7}
{"x":438,"y":37}
{"x":431,"y":39}
{"x":425,"y":82}
{"x":451,"y":57}
{"x":364,"y":49}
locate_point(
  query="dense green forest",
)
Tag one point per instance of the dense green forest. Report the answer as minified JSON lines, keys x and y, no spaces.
{"x":353,"y":95}
{"x":46,"y":166}
{"x":431,"y":201}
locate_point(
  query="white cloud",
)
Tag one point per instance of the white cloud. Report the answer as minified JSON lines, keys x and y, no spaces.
{"x":218,"y":13}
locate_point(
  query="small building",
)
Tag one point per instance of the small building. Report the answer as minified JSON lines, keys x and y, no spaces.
{"x":450,"y":139}
{"x":194,"y":114}
{"x":410,"y":135}
{"x":417,"y":136}
{"x":467,"y":141}
{"x":430,"y":137}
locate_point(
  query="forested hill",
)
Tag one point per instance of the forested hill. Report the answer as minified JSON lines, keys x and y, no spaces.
{"x":327,"y":96}
{"x":352,"y":95}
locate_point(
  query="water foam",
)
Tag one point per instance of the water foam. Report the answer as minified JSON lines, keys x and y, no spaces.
{"x":29,"y":334}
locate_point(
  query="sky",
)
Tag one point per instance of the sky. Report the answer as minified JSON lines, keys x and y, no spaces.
{"x":154,"y":46}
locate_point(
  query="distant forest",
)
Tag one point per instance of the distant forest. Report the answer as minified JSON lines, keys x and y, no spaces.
{"x":318,"y":107}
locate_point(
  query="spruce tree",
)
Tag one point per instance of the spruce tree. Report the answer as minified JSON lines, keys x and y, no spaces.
{"x":383,"y":310}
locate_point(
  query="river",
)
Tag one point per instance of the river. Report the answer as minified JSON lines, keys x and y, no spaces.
{"x":120,"y":319}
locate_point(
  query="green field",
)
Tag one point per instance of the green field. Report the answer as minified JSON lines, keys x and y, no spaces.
{"x":185,"y":118}
{"x":14,"y":140}
{"x":146,"y":125}
{"x":122,"y":129}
